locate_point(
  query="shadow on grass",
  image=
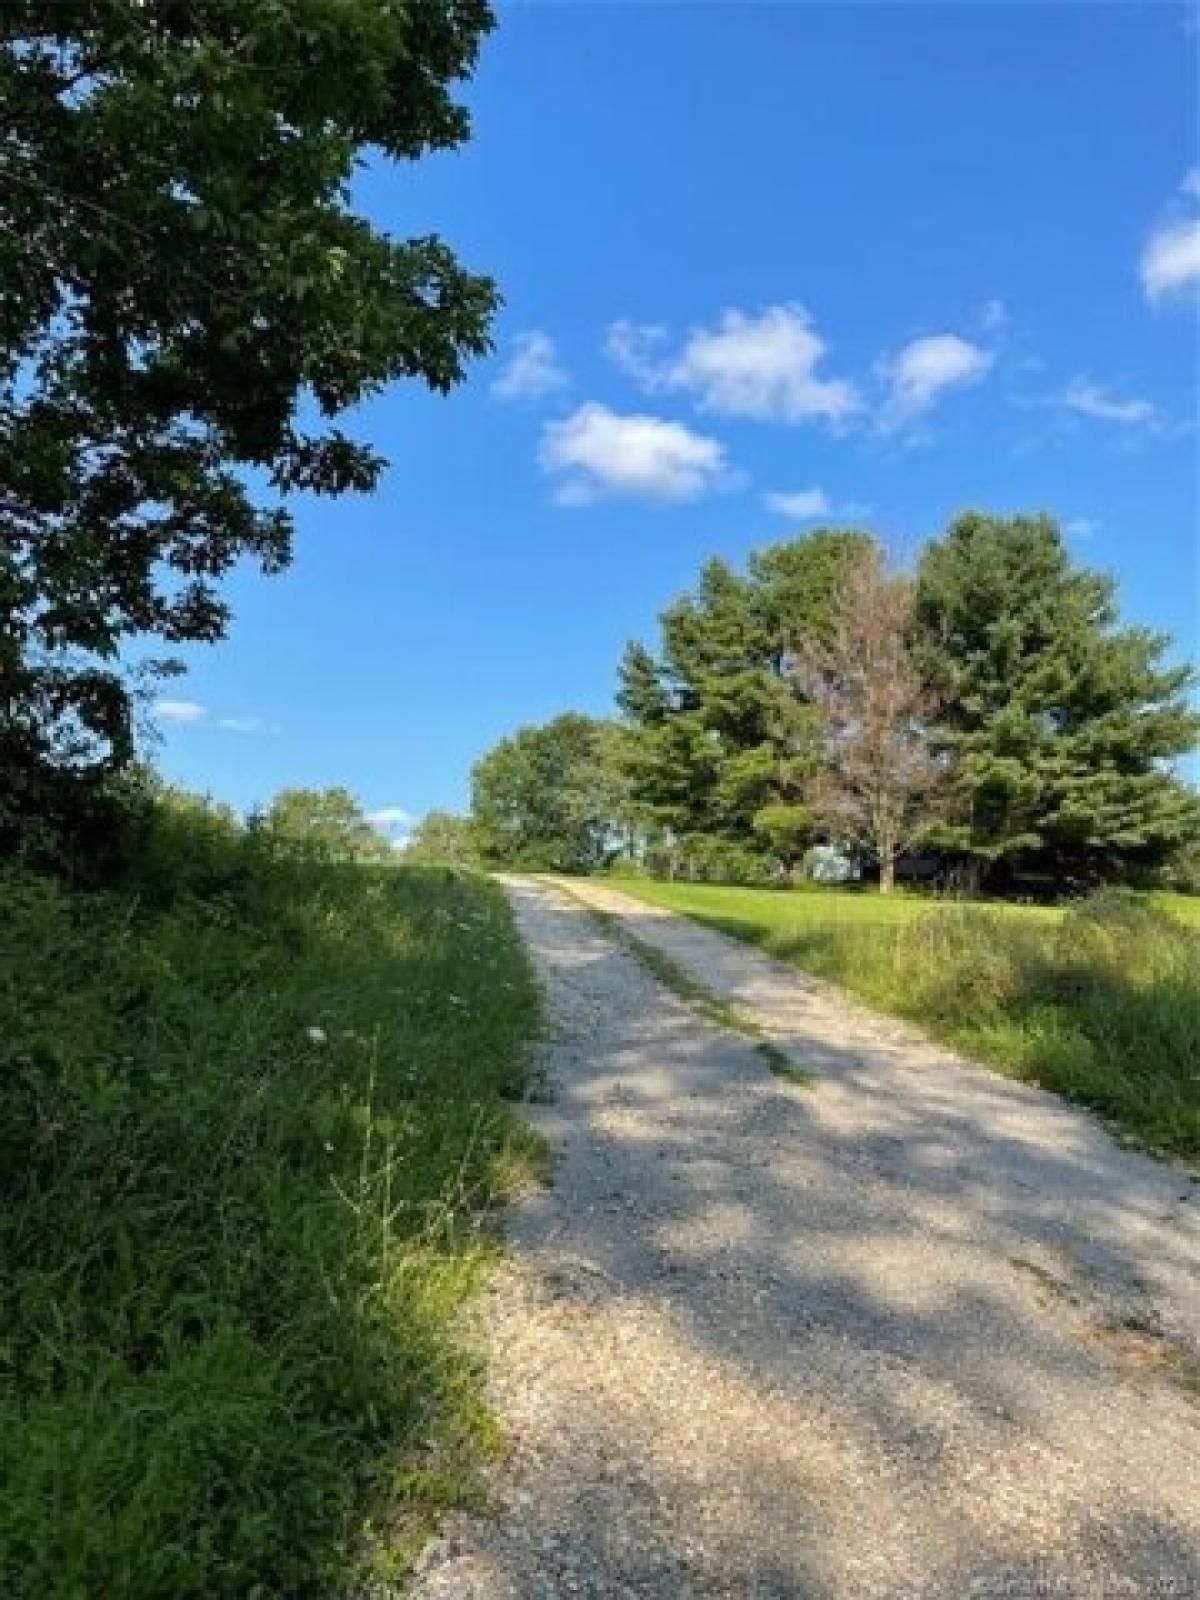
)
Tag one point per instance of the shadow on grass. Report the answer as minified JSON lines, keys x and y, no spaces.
{"x":245,"y":1143}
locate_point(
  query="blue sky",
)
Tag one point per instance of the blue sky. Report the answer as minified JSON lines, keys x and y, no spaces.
{"x":764,"y":265}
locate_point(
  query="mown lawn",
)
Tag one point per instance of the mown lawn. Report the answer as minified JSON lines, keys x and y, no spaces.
{"x":1100,"y":1002}
{"x":251,"y":1115}
{"x":817,"y":908}
{"x":1185,"y":907}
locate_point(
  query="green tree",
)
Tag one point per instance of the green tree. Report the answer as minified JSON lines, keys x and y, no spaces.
{"x":189,"y":302}
{"x":1062,"y":724}
{"x":444,"y":836}
{"x":546,"y":796}
{"x":328,"y":822}
{"x":722,"y":740}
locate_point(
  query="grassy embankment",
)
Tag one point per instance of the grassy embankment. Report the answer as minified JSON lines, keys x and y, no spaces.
{"x":250,"y":1113}
{"x":1100,"y":1003}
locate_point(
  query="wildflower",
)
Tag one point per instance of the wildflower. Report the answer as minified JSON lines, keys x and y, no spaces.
{"x":316,"y":1035}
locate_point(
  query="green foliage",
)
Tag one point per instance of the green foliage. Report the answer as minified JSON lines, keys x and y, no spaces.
{"x":1052,"y":727}
{"x":1100,"y":1003}
{"x":323,"y":822}
{"x":705,"y":860}
{"x":189,"y":301}
{"x":443,"y":836}
{"x":549,"y":797}
{"x":1182,"y":871}
{"x":720,"y":734}
{"x":85,"y":830}
{"x":786,"y":830}
{"x":245,"y":1132}
{"x":1059,"y":721}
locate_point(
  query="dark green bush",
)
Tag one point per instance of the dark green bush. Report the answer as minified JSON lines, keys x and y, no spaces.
{"x":708,"y":860}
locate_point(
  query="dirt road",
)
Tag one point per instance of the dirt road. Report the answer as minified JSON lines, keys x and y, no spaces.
{"x":912,"y":1330}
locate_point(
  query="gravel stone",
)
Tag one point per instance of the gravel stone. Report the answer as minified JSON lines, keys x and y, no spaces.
{"x":913,"y":1331}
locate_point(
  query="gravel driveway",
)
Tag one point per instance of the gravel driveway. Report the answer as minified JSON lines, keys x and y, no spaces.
{"x":912,"y":1330}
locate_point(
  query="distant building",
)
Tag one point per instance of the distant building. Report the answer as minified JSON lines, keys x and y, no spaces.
{"x":825,"y":863}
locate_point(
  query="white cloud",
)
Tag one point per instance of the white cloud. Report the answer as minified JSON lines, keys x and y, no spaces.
{"x":187,"y":713}
{"x":533,"y":370}
{"x":1171,"y":259}
{"x":762,"y":366}
{"x":806,"y":505}
{"x":919,"y":374}
{"x":800,"y":505}
{"x":600,"y":452}
{"x":994,"y":316}
{"x":636,"y":347}
{"x":1090,"y":399}
{"x":1170,"y":263}
{"x":389,"y":817}
{"x":1081,"y":527}
{"x":181,"y":711}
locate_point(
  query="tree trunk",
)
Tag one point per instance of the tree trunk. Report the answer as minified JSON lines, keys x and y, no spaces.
{"x":969,"y":876}
{"x":887,"y":874}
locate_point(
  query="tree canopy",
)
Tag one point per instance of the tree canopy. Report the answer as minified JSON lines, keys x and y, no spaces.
{"x":1061,"y":724}
{"x":881,"y":780}
{"x":990,"y":713}
{"x":444,"y":836}
{"x":328,"y":822}
{"x":547,"y":796}
{"x":189,"y":303}
{"x":724,"y":738}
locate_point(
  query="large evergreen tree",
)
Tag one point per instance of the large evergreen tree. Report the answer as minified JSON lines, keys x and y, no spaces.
{"x":1062,"y":723}
{"x":722,"y":740}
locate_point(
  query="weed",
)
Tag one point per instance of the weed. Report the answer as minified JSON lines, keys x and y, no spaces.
{"x":247,"y":1133}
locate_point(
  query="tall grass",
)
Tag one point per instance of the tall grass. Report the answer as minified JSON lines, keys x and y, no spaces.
{"x":1100,"y":1003}
{"x":249,"y":1116}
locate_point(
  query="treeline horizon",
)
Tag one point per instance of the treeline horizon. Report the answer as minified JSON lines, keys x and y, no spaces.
{"x":986,"y":722}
